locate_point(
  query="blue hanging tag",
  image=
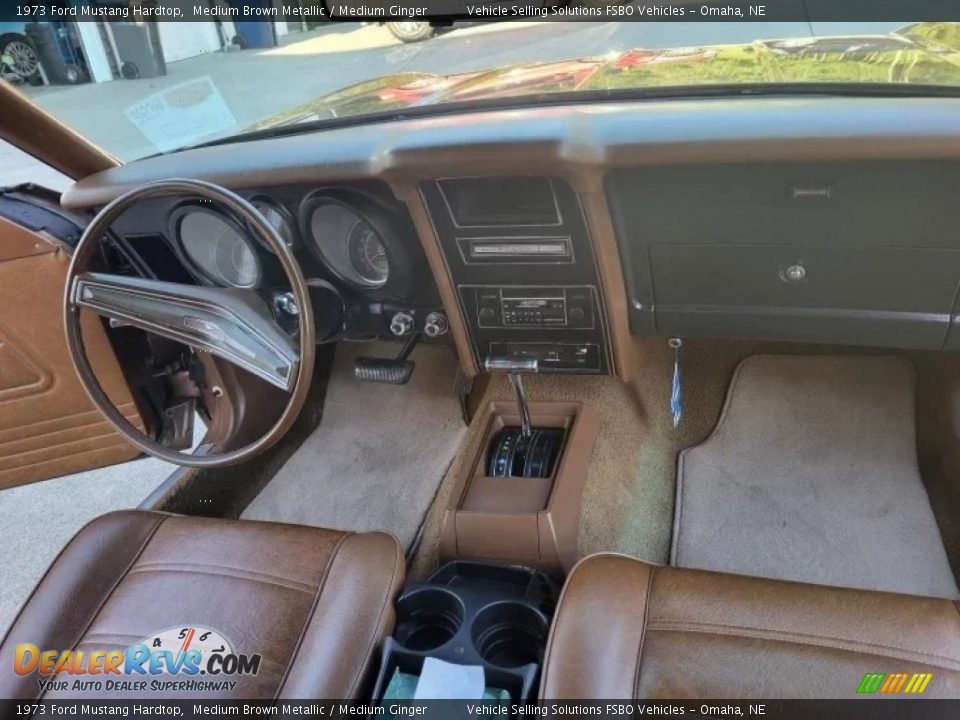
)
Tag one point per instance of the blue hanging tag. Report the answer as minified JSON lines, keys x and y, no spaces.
{"x":676,"y":388}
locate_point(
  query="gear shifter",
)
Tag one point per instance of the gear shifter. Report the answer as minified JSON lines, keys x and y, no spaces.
{"x":513,"y":368}
{"x":525,"y":451}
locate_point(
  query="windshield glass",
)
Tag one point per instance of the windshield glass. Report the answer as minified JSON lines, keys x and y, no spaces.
{"x":139,"y":88}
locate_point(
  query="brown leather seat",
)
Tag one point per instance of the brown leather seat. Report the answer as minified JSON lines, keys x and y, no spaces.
{"x":315,"y":604}
{"x":627,"y":629}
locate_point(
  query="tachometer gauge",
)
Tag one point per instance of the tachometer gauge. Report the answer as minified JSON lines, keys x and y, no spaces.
{"x":278,"y":217}
{"x":217,"y":248}
{"x":347,"y":243}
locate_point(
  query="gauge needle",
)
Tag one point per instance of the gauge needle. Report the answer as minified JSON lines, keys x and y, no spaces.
{"x":186,"y":641}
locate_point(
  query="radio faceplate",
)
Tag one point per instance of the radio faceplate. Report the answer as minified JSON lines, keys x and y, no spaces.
{"x":543,"y":310}
{"x":531,"y":306}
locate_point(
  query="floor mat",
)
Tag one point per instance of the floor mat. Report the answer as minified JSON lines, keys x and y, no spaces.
{"x":811,"y":475}
{"x":379,"y":454}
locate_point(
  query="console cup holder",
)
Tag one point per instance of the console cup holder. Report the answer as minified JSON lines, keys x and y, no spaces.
{"x":428,"y":618}
{"x":509,"y":634}
{"x":471,"y":613}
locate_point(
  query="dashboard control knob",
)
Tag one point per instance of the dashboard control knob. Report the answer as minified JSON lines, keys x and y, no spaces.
{"x":435,"y":324}
{"x":577,"y":315}
{"x":401,"y":324}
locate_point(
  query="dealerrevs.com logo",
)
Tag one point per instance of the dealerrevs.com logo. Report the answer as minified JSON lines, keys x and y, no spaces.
{"x":187,"y":652}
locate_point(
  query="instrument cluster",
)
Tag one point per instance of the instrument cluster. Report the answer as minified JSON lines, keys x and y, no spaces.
{"x":352,"y":236}
{"x":356,"y":245}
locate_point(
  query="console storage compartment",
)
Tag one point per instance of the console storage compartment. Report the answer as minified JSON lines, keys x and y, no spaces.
{"x":519,"y":519}
{"x":473,"y":614}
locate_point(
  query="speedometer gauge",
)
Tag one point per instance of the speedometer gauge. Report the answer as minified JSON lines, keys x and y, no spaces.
{"x":347,"y":243}
{"x":367,"y":254}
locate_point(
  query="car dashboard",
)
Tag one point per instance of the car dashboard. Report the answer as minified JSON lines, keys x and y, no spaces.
{"x":563,"y":233}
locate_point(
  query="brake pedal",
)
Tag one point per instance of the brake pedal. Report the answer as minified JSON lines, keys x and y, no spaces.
{"x":393,"y":371}
{"x":383,"y":370}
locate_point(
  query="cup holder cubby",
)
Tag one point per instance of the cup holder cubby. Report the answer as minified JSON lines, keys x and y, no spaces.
{"x":474,"y":614}
{"x":509,"y":634}
{"x":427,"y":618}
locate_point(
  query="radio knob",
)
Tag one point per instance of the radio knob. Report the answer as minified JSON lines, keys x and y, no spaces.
{"x":488,"y":316}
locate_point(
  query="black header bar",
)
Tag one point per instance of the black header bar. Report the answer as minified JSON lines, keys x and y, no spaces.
{"x":443,"y":11}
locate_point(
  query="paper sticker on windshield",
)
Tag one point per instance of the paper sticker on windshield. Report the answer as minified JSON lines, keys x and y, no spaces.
{"x":182,"y":115}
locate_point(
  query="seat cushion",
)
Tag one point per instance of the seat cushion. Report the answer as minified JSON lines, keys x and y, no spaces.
{"x":627,"y":629}
{"x":315,"y":604}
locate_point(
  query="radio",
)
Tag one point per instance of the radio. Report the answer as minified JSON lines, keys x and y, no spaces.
{"x":542,"y":307}
{"x":533,"y":310}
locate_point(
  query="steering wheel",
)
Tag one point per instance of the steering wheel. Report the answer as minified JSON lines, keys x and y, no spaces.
{"x":233,"y":324}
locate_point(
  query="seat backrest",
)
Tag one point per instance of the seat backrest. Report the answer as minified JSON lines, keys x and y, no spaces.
{"x":315,"y":605}
{"x":628,"y":629}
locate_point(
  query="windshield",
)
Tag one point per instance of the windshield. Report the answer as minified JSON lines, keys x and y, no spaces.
{"x":141,"y":88}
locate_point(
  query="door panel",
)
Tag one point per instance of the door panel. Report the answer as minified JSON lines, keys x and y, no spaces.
{"x":48,"y":426}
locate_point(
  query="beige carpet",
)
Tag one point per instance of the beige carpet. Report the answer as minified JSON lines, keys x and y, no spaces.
{"x":379,"y":454}
{"x":811,"y":475}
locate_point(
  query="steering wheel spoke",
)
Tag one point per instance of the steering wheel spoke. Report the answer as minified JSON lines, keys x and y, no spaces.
{"x":231,"y":323}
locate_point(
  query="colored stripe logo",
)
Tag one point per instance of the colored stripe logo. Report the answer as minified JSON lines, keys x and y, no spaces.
{"x":894,"y":683}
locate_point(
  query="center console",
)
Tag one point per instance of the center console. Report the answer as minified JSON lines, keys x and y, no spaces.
{"x":529,"y":519}
{"x":477,"y":628}
{"x":518,"y":253}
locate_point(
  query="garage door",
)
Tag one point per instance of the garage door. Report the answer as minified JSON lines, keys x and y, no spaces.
{"x":187,"y":39}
